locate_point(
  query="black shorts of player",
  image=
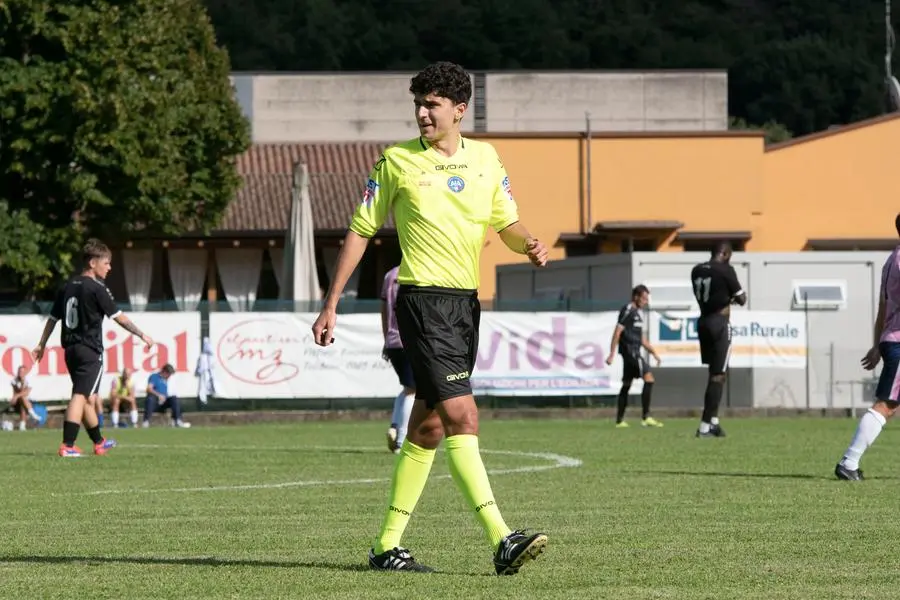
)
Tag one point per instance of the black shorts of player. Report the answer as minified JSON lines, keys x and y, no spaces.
{"x":85,"y":367}
{"x":401,"y":366}
{"x":714,"y":332}
{"x":439,"y":331}
{"x":634,"y":367}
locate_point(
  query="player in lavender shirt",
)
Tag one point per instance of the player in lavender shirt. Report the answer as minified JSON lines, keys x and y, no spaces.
{"x":886,"y":346}
{"x":393,"y":352}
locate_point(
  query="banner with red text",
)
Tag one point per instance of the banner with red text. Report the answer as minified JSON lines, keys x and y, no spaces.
{"x":272,"y":355}
{"x":177,"y":337}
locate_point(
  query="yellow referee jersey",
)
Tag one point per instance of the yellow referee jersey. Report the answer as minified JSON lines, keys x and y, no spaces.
{"x":441,"y":206}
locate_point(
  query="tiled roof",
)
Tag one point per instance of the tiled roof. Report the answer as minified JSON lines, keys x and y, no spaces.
{"x":337,"y":173}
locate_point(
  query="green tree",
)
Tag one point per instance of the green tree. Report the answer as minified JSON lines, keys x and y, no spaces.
{"x":774,"y":132}
{"x":808,"y":64}
{"x":116,"y":117}
{"x":20,"y":247}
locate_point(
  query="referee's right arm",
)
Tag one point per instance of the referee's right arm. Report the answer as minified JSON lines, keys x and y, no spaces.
{"x":370,"y":215}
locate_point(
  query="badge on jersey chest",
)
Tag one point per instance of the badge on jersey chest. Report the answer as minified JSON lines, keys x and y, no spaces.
{"x":456,"y":184}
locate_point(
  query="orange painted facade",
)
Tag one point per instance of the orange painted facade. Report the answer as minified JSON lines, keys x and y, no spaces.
{"x":843,"y":183}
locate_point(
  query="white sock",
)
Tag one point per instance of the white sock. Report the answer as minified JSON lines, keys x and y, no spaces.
{"x":403,"y":423}
{"x":114,"y":417}
{"x":714,"y":421}
{"x":33,"y":414}
{"x":870,"y":426}
{"x":134,"y":417}
{"x":704,"y":427}
{"x":397,"y":415}
{"x":21,"y":425}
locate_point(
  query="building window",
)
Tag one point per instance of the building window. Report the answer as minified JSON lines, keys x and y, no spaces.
{"x":707,"y":245}
{"x":639,"y":245}
{"x":819,"y":295}
{"x":582,"y":248}
{"x":671,"y":295}
{"x":267,"y":287}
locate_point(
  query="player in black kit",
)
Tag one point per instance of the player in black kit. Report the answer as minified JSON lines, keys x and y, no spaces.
{"x":716,"y":288}
{"x":81,"y":305}
{"x":629,"y":339}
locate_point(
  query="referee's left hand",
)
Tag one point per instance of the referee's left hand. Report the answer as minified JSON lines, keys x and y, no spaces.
{"x":536,"y":251}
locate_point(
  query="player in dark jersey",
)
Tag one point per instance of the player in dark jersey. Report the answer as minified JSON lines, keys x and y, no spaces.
{"x":716,"y":288}
{"x":629,"y":339}
{"x":81,"y":305}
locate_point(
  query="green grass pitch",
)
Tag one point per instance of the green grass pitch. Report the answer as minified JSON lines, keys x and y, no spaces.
{"x":289,"y":511}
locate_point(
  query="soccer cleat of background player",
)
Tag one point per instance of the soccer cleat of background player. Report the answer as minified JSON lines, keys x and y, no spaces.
{"x":629,"y":339}
{"x":81,"y":305}
{"x":885,"y":346}
{"x":443,"y":191}
{"x":716,"y":288}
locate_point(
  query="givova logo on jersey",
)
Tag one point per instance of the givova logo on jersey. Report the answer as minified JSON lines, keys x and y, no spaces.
{"x":677,"y":329}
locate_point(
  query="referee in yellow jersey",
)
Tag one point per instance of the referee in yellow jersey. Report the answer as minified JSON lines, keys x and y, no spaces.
{"x":443,"y":191}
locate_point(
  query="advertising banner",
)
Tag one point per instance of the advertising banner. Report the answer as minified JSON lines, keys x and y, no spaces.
{"x":177,"y":337}
{"x":272,"y":355}
{"x":759,"y":339}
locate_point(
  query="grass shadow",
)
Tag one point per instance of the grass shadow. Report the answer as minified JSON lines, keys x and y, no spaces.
{"x":198,"y":561}
{"x":749,"y":475}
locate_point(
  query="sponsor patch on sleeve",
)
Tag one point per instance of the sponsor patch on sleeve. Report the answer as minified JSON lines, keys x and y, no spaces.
{"x":369,"y":193}
{"x":506,"y":187}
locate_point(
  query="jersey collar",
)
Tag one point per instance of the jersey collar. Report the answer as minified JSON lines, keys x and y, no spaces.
{"x":426,"y":146}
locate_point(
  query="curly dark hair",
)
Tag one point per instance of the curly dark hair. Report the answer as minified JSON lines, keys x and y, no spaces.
{"x":444,"y":79}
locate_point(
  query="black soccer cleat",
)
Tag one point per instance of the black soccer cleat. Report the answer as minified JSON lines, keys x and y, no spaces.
{"x":516,"y":549}
{"x":396,"y":559}
{"x":845,"y":474}
{"x":714,"y":431}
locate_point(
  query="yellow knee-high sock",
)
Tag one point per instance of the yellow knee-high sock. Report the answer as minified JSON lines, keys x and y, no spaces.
{"x":471,"y":478}
{"x":410,"y":474}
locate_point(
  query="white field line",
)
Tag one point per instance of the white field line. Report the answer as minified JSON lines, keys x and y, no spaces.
{"x":554,"y":461}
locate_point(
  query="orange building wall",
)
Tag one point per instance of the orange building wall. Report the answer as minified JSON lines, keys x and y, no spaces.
{"x":544,"y":177}
{"x":845,"y":185}
{"x":837,"y":184}
{"x":708,"y":183}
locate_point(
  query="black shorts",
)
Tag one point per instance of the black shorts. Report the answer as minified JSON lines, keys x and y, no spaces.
{"x":401,"y":366}
{"x":85,"y":367}
{"x":439,"y":330}
{"x":714,"y":332}
{"x":634,"y":367}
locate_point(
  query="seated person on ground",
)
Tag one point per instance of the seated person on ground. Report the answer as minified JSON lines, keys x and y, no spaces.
{"x":21,"y":399}
{"x":159,"y":400}
{"x":122,"y":392}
